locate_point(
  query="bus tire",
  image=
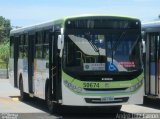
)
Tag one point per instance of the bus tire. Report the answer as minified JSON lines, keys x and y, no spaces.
{"x":23,"y":96}
{"x":116,"y":109}
{"x":52,"y":107}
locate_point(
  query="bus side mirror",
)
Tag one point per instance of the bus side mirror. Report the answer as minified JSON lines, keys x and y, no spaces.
{"x":143,"y":46}
{"x":60,"y":44}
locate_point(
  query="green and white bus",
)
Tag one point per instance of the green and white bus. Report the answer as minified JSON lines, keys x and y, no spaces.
{"x":92,"y":60}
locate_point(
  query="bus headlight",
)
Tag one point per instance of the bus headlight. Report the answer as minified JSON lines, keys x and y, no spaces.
{"x":72,"y":87}
{"x":136,"y":86}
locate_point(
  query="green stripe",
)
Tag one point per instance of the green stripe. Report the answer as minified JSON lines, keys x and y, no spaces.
{"x":103,"y":85}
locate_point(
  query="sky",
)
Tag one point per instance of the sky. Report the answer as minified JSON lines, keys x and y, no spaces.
{"x":28,"y":12}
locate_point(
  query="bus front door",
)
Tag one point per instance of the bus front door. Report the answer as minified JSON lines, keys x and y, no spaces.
{"x":55,"y":69}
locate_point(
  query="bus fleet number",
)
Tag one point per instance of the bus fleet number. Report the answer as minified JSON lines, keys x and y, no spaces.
{"x":90,"y":85}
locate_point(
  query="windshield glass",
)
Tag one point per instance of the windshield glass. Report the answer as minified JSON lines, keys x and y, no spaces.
{"x":110,"y":52}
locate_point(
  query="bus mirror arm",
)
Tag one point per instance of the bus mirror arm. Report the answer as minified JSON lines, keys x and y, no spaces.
{"x":60,"y":44}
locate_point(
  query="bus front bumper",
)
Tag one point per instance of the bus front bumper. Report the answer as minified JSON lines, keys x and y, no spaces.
{"x":71,"y":98}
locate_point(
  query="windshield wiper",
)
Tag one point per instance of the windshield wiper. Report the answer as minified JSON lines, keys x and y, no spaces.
{"x":134,"y":44}
{"x":118,"y":41}
{"x":117,"y":44}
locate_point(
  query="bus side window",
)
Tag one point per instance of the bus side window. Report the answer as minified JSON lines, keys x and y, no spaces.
{"x":25,"y":46}
{"x":153,"y":50}
{"x":21,"y":46}
{"x":46,"y":45}
{"x":39,"y":45}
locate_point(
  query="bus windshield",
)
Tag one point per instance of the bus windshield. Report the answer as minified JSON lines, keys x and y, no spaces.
{"x":110,"y":52}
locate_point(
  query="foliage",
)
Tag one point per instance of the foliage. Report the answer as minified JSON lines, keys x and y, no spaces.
{"x":5,"y":28}
{"x":4,"y":51}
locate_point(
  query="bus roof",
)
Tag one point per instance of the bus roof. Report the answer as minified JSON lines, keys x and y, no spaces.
{"x":152,"y":26}
{"x":51,"y":23}
{"x":33,"y":27}
{"x":98,"y":15}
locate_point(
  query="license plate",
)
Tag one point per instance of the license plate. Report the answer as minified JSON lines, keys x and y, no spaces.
{"x":107,"y":99}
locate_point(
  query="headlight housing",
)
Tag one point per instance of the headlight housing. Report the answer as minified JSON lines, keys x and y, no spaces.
{"x":73,"y":87}
{"x":136,"y":86}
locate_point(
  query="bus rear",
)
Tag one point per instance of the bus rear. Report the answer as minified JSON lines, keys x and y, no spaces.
{"x":101,"y":61}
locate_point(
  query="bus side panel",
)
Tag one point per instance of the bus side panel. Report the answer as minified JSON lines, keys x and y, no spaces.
{"x":41,"y":73}
{"x":22,"y":71}
{"x":11,"y":71}
{"x":152,"y":78}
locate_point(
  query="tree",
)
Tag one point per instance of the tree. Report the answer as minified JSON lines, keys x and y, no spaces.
{"x":4,"y":53}
{"x":5,"y":28}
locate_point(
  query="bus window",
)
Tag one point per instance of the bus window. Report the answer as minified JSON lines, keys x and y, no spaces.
{"x":21,"y":39}
{"x":45,"y":52}
{"x":39,"y":45}
{"x":38,"y":52}
{"x":46,"y":37}
{"x":152,"y":48}
{"x":25,"y":46}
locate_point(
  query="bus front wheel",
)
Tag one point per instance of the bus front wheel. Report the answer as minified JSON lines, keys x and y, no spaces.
{"x":116,"y":109}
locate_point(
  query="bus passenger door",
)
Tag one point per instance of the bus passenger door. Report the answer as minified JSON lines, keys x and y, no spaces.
{"x":55,"y":66}
{"x":153,"y":64}
{"x":31,"y":63}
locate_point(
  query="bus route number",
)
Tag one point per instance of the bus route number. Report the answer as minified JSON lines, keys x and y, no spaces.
{"x":91,"y":85}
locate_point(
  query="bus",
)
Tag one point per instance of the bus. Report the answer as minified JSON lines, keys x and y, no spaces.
{"x":83,"y":61}
{"x":151,"y":36}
